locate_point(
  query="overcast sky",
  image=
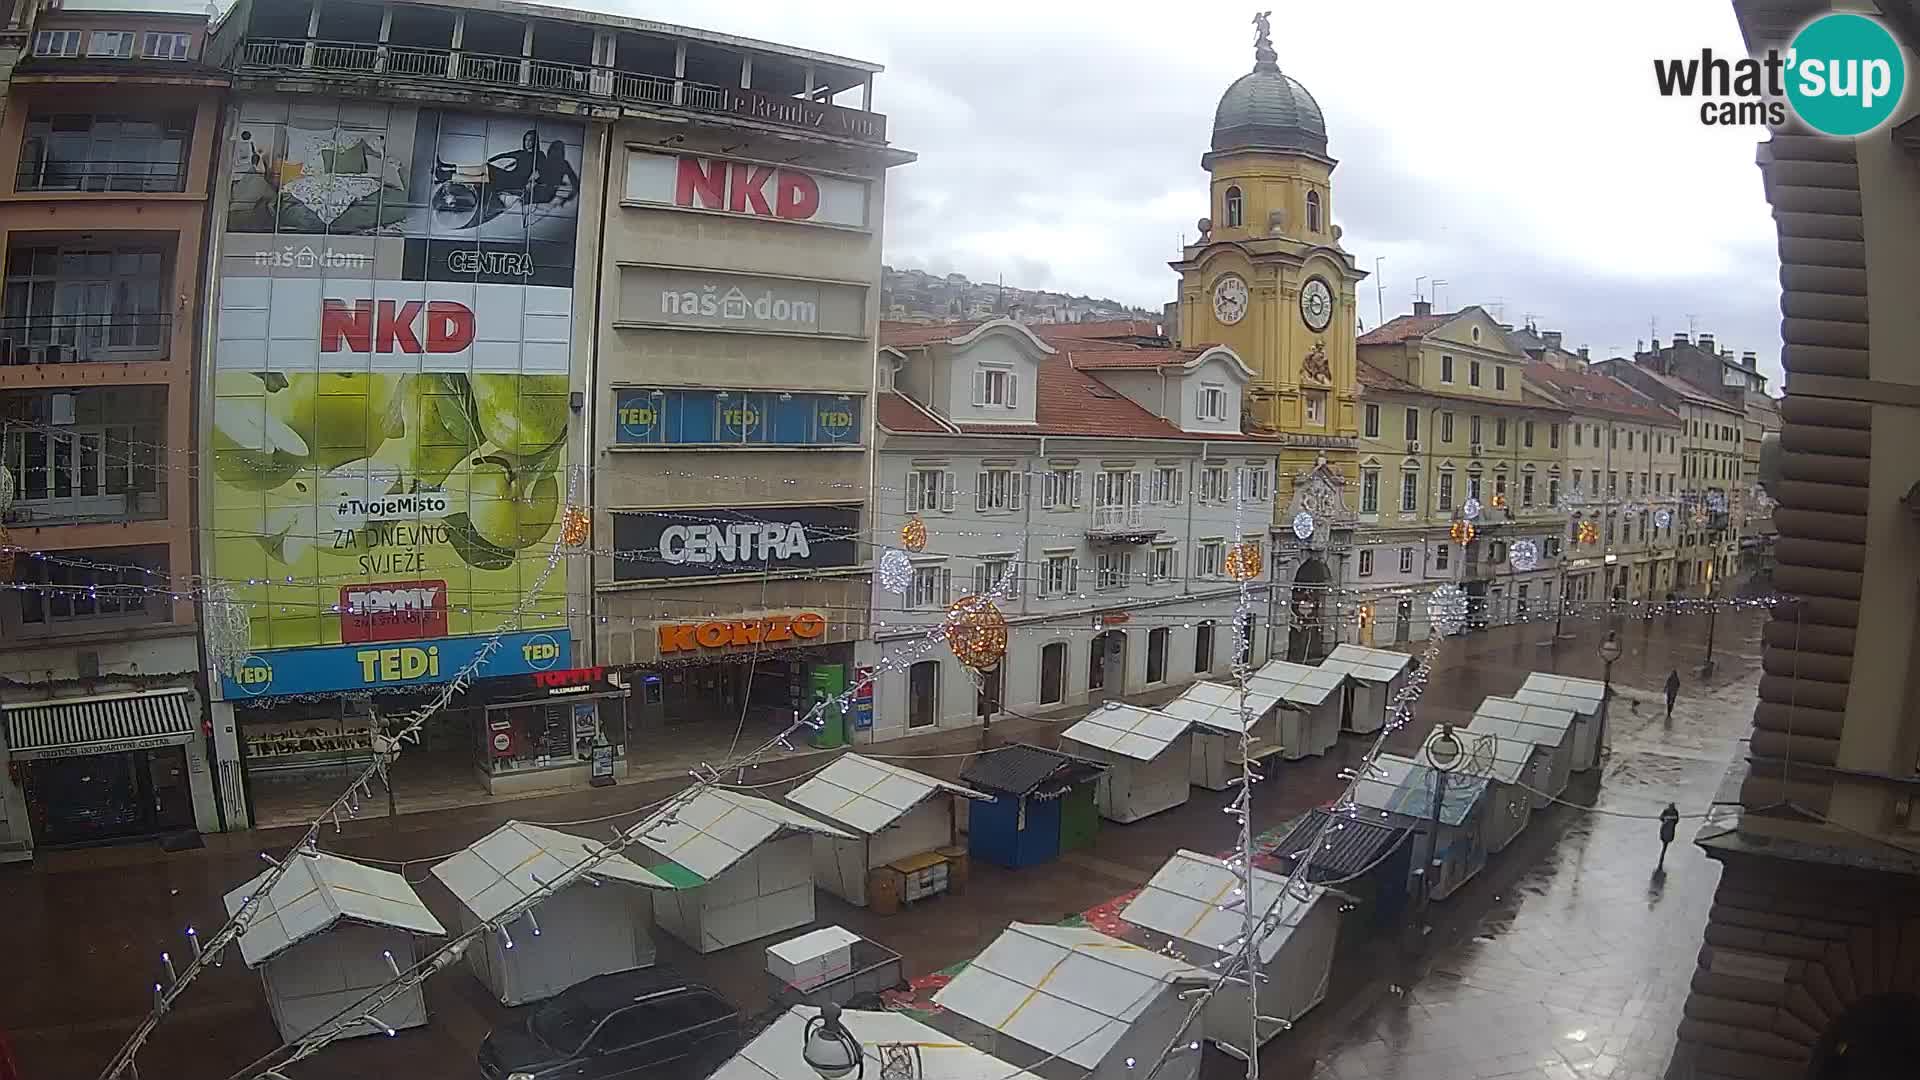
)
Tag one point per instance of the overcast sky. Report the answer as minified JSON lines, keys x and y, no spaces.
{"x":1514,"y":148}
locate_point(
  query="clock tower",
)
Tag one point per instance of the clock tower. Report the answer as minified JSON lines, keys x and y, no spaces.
{"x":1268,"y":276}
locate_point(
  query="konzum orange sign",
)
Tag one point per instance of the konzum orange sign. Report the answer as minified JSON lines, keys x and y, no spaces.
{"x":772,"y":630}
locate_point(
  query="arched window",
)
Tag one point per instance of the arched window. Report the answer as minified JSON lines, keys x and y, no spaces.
{"x":1313,"y":211}
{"x":1236,"y":210}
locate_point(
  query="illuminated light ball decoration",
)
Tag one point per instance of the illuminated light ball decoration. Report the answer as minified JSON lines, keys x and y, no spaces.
{"x":1524,"y":555}
{"x":913,"y":535}
{"x":1303,"y":525}
{"x":1662,"y":518}
{"x":1243,"y":562}
{"x":1499,"y":501}
{"x":1463,"y":532}
{"x":575,"y":527}
{"x":1447,"y":609}
{"x":1589,"y":533}
{"x":1470,"y":509}
{"x":895,"y":571}
{"x":976,"y":632}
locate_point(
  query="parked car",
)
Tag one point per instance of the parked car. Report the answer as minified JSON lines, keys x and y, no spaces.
{"x":631,"y":1024}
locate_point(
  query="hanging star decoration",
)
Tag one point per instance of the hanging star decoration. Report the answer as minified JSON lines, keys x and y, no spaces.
{"x":976,"y":631}
{"x":1470,"y":509}
{"x":895,"y":571}
{"x":1463,"y":532}
{"x":1589,"y":533}
{"x":913,"y":535}
{"x":1303,"y":525}
{"x":1662,"y":518}
{"x":1447,"y":609}
{"x":1243,"y":561}
{"x":1524,"y":555}
{"x":229,"y":628}
{"x":575,"y":527}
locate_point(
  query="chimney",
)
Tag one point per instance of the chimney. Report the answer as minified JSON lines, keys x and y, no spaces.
{"x":1706,"y":343}
{"x":1423,"y":307}
{"x":1679,"y":340}
{"x":1552,"y":338}
{"x":1583,"y":353}
{"x":1749,"y":361}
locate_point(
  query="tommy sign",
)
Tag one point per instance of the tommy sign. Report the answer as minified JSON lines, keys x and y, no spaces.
{"x":718,"y":541}
{"x":746,"y":188}
{"x":393,"y":611}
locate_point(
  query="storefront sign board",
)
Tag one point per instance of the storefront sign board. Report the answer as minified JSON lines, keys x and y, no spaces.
{"x":715,"y":541}
{"x":387,"y":665}
{"x":775,"y":630}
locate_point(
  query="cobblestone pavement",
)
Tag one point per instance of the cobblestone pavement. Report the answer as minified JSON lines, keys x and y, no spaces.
{"x":1560,"y":960}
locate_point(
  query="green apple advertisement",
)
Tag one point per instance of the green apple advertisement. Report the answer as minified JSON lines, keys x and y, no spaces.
{"x":390,"y":408}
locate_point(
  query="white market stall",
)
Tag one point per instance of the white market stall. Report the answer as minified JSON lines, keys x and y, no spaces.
{"x":1147,"y":755}
{"x":1071,"y":1003}
{"x":585,"y":929}
{"x":1183,"y":902}
{"x":1402,"y":793}
{"x":322,"y":939}
{"x":901,"y":822}
{"x":1542,"y":725}
{"x":1310,"y":702}
{"x":1374,"y":678}
{"x":1582,"y":698}
{"x":1510,"y":768}
{"x":742,"y":868}
{"x":894,"y":1044}
{"x":1214,"y":711}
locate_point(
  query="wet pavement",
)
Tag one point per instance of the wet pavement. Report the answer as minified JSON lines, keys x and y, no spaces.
{"x":1562,"y":959}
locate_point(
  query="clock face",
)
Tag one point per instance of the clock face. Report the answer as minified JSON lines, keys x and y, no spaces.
{"x":1316,"y":304}
{"x":1230,"y":299}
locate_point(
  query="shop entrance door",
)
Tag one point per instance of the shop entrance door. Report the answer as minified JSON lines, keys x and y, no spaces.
{"x":99,"y":798}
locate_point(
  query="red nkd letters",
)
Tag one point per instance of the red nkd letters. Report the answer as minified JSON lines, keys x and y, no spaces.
{"x":739,"y":188}
{"x":410,"y":326}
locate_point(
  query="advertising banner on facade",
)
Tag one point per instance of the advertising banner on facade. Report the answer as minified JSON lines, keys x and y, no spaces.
{"x":747,"y":188}
{"x":390,"y":395}
{"x":733,"y":540}
{"x":667,"y":416}
{"x":663,"y":296}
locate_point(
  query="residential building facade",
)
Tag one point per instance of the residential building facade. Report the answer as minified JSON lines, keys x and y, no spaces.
{"x":1095,"y":491}
{"x":106,"y":153}
{"x":1803,"y":968}
{"x":1454,"y":445}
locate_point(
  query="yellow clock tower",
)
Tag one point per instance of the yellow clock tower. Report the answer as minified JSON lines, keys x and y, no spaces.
{"x":1268,"y":276}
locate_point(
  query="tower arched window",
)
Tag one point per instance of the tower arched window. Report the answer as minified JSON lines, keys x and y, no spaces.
{"x":1313,"y":211}
{"x":1236,"y":208}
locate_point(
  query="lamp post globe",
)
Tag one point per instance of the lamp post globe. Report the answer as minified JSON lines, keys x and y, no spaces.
{"x":829,"y":1048}
{"x":1610,"y":647}
{"x":1444,"y":750}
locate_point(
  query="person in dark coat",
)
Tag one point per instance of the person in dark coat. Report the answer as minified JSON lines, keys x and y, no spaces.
{"x":1673,"y":691}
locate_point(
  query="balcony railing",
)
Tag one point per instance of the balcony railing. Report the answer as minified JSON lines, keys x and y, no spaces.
{"x":98,"y":337}
{"x":267,"y":55}
{"x":100,"y":175}
{"x":1118,"y":517}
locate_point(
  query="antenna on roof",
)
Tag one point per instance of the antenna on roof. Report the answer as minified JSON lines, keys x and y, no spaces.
{"x":1691,"y":319}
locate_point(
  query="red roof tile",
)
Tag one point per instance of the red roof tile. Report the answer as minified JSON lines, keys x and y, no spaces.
{"x":1404,"y":328}
{"x":897,"y":413}
{"x":1375,"y":379}
{"x":1587,"y":391}
{"x":1100,"y":330}
{"x":906,"y":335}
{"x":1096,"y":357}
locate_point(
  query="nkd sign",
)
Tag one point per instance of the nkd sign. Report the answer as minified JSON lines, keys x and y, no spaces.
{"x":747,"y":188}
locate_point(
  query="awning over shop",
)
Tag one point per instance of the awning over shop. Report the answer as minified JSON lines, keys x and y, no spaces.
{"x":106,"y":724}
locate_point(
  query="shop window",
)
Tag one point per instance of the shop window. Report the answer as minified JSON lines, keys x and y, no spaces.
{"x":1053,"y":673}
{"x":923,"y":694}
{"x":1203,"y":647}
{"x":1157,"y":654}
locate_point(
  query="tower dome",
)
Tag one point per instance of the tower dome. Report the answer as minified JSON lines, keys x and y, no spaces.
{"x":1266,"y":109}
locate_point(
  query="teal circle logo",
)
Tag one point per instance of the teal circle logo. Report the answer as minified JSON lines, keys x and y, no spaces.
{"x":255,"y":676}
{"x":541,"y":652}
{"x":1845,"y":74}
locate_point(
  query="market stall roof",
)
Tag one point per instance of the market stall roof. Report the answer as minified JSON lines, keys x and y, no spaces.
{"x":1063,"y":990}
{"x":518,"y":859}
{"x":318,"y":890}
{"x":717,"y":829}
{"x":1581,"y":696}
{"x":1542,"y":725}
{"x":868,"y":795}
{"x":1028,"y":770}
{"x":1343,"y":845}
{"x":1297,"y":684}
{"x":1130,"y":730}
{"x":1485,"y":753}
{"x":1184,"y":900}
{"x":1400,"y":785}
{"x":1369,"y":665}
{"x":1217,"y":706}
{"x":777,"y":1053}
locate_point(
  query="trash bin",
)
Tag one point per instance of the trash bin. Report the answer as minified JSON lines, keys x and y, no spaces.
{"x":883,"y":890}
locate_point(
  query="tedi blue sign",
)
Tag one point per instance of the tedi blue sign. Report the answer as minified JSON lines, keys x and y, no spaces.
{"x":388,"y":664}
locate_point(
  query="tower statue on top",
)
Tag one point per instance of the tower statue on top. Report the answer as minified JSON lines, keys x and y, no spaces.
{"x":1263,"y":54}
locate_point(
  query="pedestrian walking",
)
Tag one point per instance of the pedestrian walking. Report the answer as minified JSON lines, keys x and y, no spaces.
{"x":1669,"y":825}
{"x":1673,"y":691}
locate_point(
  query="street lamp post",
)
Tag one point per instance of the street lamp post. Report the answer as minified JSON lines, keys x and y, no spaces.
{"x":1443,"y":753}
{"x":1609,"y":652}
{"x":1713,"y":616}
{"x":829,"y":1048}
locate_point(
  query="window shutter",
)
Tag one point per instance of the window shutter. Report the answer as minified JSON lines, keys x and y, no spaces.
{"x":1078,"y":498}
{"x":946,"y":586}
{"x":982,"y":495}
{"x":1013,"y":389}
{"x":979,"y":387}
{"x":946,"y":496}
{"x":1073,"y":575}
{"x":1133,"y":489}
{"x":1017,"y":485}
